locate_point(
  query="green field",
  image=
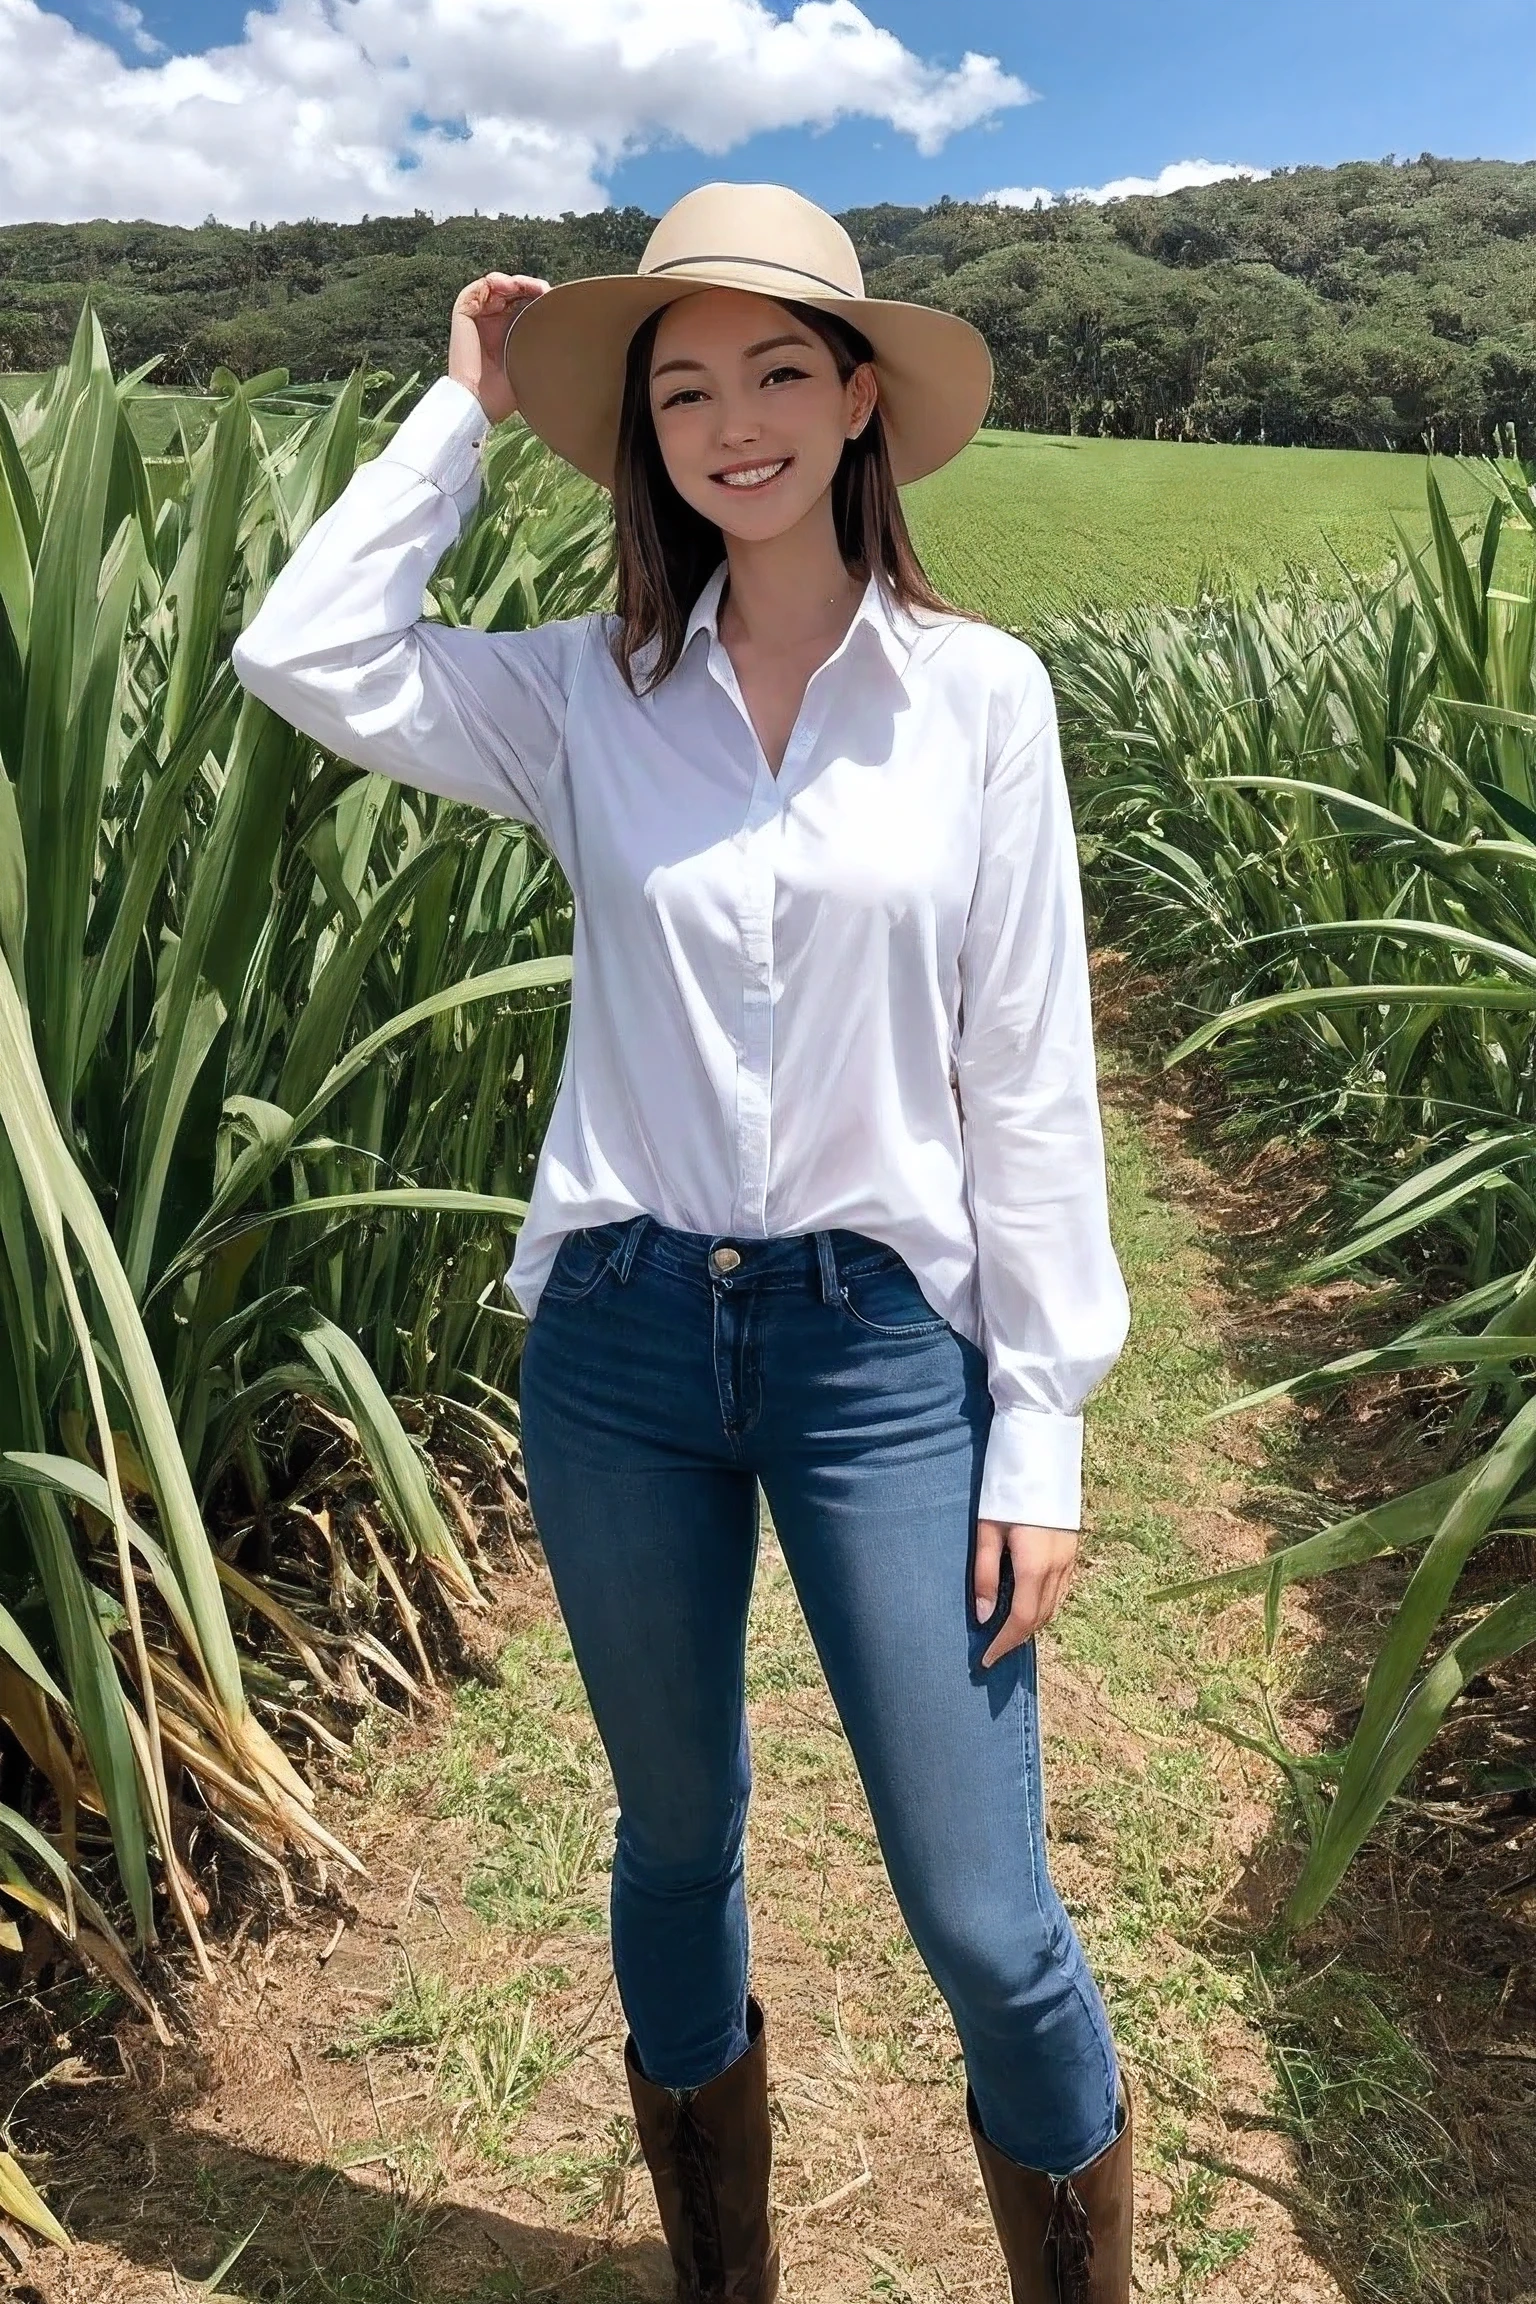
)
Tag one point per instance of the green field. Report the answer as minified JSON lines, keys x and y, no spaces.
{"x":1022,"y":524}
{"x":159,"y":418}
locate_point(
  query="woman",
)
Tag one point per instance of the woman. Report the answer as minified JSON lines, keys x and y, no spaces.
{"x":822,"y":1203}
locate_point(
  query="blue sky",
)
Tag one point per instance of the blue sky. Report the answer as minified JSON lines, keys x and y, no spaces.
{"x":1127,"y":87}
{"x":1119,"y":88}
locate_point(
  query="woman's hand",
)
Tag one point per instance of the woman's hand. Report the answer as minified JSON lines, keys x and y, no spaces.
{"x":477,"y":339}
{"x":1043,"y":1562}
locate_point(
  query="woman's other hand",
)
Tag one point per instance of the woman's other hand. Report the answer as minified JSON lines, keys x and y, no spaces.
{"x":477,"y":339}
{"x":1043,"y":1562}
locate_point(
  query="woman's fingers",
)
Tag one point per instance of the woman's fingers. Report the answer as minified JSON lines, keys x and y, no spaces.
{"x":1057,"y":1586}
{"x":499,"y":289}
{"x":1020,"y":1623}
{"x":496,"y":294}
{"x":1043,"y":1561}
{"x":989,"y":1566}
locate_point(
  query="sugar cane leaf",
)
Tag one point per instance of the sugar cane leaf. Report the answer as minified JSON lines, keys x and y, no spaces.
{"x":1411,"y":1215}
{"x":1396,"y":1526}
{"x":230,"y":897}
{"x":1371,"y":1769}
{"x":19,"y":2198}
{"x":258,"y":1161}
{"x":1490,"y":997}
{"x":206,"y":563}
{"x":423,"y":1199}
{"x":1510,"y":956}
{"x":1503,"y":1632}
{"x":1409,"y":1352}
{"x":403,"y":1484}
{"x":97,"y":1699}
{"x":61,"y":1202}
{"x":15,"y":1644}
{"x":66,"y":1476}
{"x":20,"y":531}
{"x":321,"y":1028}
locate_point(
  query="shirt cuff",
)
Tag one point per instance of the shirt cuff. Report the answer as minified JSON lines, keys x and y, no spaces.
{"x":1033,"y":1475}
{"x":442,"y":437}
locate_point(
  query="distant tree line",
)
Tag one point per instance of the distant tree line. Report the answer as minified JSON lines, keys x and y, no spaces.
{"x":1376,"y":305}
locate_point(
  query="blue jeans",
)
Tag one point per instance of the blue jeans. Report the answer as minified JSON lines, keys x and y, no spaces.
{"x":658,"y":1389}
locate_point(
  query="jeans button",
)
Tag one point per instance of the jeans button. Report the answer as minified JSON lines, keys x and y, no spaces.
{"x":722,"y":1260}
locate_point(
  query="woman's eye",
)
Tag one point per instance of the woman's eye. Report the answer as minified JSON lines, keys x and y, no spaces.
{"x":788,"y":369}
{"x":683,"y":392}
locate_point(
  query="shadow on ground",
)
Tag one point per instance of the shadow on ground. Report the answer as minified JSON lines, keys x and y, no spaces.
{"x":151,"y":2189}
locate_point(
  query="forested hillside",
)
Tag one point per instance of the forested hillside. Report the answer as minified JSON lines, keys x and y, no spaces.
{"x":1373,"y":305}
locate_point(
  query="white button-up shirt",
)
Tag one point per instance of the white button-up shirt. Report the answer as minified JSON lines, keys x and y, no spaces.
{"x":853,"y":994}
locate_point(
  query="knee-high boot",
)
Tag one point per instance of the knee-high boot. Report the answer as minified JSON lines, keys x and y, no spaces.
{"x":710,"y":2154}
{"x":1066,"y":2239}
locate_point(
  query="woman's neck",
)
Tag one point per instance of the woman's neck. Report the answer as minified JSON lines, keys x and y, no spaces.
{"x":788,"y":592}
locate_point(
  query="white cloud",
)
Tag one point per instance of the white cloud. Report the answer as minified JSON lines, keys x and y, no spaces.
{"x":1179,"y":176}
{"x":130,"y":21}
{"x":385,"y":105}
{"x":1021,"y":196}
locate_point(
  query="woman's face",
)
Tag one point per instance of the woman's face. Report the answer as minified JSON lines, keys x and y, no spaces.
{"x":750,"y":412}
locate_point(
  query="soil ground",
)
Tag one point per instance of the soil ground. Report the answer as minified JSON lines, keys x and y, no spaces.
{"x":409,"y":2090}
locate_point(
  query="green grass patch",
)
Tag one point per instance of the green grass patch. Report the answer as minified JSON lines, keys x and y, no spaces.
{"x":1021,"y":524}
{"x":484,"y":2045}
{"x":1153,"y":1835}
{"x":522,"y":1759}
{"x":1359,"y":2095}
{"x":586,"y":2186}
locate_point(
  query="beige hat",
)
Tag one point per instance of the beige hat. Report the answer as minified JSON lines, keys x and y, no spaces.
{"x":566,"y":350}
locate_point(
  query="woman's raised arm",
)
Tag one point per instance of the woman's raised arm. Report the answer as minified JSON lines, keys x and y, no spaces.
{"x":339,"y":646}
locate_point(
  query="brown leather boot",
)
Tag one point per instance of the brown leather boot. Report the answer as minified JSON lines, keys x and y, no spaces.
{"x":1066,"y":2240}
{"x":710,"y":2152}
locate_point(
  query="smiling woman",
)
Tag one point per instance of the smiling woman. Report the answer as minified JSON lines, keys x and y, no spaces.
{"x":822,"y":1203}
{"x":716,"y":434}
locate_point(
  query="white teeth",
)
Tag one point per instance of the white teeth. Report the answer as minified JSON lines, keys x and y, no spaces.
{"x":751,"y":478}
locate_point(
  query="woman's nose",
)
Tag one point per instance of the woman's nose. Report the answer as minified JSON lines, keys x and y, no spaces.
{"x":739,"y":427}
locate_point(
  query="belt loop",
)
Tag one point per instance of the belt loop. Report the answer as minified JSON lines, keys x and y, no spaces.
{"x":826,"y":1258}
{"x":627,"y":1249}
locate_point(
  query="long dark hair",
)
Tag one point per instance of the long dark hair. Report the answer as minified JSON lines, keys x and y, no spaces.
{"x":667,"y":551}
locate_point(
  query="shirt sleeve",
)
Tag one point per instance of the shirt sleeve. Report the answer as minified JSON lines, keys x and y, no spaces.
{"x":1053,"y":1302}
{"x":340,"y":648}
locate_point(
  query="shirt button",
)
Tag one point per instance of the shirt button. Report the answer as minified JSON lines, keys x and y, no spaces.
{"x":724,"y":1259}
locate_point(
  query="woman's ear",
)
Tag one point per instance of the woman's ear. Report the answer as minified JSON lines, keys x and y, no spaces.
{"x":864,"y":391}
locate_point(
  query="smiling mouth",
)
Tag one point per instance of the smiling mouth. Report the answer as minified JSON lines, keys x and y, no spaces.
{"x":752,"y":476}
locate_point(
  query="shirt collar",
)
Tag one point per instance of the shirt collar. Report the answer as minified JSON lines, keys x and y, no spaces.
{"x":894,"y":629}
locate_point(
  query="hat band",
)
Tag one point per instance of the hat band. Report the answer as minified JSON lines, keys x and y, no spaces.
{"x":764,"y":263}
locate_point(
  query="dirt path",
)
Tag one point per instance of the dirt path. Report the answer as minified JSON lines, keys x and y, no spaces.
{"x":419,"y":2097}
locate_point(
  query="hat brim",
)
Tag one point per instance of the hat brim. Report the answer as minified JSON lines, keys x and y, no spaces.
{"x":566,"y":351}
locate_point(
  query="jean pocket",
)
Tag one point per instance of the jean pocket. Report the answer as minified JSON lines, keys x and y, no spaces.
{"x":886,"y":1299}
{"x":581,"y":1260}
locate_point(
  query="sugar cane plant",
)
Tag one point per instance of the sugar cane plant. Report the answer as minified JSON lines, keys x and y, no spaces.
{"x":277,"y":1043}
{"x":1319,"y":817}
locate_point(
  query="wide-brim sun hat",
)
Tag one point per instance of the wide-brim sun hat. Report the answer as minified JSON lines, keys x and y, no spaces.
{"x":566,"y":350}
